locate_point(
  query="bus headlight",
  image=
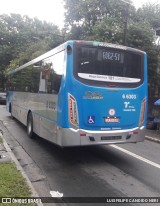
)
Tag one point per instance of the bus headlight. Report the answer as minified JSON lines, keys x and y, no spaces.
{"x":73,"y":111}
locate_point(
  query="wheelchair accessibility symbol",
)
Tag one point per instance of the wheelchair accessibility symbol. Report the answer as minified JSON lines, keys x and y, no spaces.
{"x":91,"y":119}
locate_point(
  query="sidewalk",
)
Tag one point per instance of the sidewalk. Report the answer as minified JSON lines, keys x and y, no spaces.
{"x":4,"y":154}
{"x":7,"y":157}
{"x":152,"y":135}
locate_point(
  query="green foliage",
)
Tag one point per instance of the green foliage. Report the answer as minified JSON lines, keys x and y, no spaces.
{"x":12,"y":183}
{"x":108,"y":30}
{"x":150,"y":13}
{"x":22,"y":39}
{"x":92,"y":19}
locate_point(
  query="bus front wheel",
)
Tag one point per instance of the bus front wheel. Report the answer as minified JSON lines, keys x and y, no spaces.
{"x":30,"y":125}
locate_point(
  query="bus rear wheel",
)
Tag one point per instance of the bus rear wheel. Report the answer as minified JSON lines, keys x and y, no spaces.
{"x":30,"y":125}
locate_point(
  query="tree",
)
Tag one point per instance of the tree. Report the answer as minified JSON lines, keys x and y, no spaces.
{"x":85,"y":17}
{"x":24,"y":38}
{"x":150,"y":13}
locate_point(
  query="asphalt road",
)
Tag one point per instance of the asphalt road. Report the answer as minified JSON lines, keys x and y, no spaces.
{"x":130,"y":170}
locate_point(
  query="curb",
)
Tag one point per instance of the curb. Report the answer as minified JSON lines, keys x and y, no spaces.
{"x":9,"y":151}
{"x":153,"y":139}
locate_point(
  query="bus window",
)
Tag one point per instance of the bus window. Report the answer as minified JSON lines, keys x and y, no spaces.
{"x":108,"y":65}
{"x":52,"y":71}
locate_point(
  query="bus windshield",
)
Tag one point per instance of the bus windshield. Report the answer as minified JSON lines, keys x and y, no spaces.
{"x":108,"y":65}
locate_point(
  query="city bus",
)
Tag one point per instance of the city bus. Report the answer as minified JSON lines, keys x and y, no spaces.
{"x":82,"y":93}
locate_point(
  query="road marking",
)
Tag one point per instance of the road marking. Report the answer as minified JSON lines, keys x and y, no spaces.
{"x":56,"y":194}
{"x":136,"y":156}
{"x":152,"y":139}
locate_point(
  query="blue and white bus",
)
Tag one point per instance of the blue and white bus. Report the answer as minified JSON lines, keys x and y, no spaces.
{"x":82,"y":93}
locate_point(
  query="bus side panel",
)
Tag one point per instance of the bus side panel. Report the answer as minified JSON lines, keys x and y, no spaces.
{"x":48,"y":116}
{"x":21,"y":104}
{"x":19,"y":107}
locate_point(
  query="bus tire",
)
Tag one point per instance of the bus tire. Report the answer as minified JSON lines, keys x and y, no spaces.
{"x":30,"y":125}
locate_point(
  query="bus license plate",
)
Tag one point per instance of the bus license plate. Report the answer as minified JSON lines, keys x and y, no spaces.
{"x":111,"y":138}
{"x":111,"y":120}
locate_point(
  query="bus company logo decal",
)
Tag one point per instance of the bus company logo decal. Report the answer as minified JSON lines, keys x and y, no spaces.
{"x":128,"y":107}
{"x":93,"y":95}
